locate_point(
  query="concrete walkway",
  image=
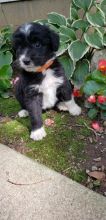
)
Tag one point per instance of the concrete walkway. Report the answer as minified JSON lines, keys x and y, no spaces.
{"x":30,"y":191}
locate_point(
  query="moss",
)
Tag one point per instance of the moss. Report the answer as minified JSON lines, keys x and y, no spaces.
{"x":63,"y":142}
{"x":52,"y":151}
{"x":9,"y":106}
{"x":12,"y":129}
{"x":79,"y":176}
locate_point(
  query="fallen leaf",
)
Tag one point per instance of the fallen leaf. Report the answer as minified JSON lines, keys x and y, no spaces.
{"x":97,"y":175}
{"x":49,"y":122}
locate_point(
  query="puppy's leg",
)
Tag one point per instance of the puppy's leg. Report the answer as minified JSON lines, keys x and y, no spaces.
{"x":67,"y":100}
{"x":21,"y":99}
{"x":34,"y":107}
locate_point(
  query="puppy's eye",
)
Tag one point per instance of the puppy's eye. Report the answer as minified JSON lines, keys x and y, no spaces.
{"x":37,"y":44}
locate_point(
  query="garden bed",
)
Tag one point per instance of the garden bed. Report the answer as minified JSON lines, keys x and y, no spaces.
{"x":71,"y":147}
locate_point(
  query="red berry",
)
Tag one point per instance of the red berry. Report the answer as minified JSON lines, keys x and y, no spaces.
{"x":95,"y":125}
{"x":77,"y":93}
{"x":101,"y":99}
{"x":92,"y":99}
{"x":102,"y":65}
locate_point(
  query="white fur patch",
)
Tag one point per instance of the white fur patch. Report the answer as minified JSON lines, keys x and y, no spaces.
{"x":73,"y":108}
{"x":28,"y":68}
{"x":26,"y":28}
{"x":23,"y":113}
{"x":62,"y":107}
{"x":48,"y":88}
{"x":38,"y":134}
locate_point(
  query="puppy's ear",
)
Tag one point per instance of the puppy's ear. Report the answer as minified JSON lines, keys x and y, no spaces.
{"x":15,"y":42}
{"x":54,"y":37}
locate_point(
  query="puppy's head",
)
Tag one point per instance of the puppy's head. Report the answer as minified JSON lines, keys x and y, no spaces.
{"x":34,"y":44}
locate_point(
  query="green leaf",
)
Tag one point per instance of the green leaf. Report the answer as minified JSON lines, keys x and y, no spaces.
{"x":73,"y":13}
{"x":4,"y":84}
{"x":96,"y":19}
{"x":41,"y":21}
{"x":101,"y":106}
{"x":62,"y":49}
{"x":81,"y":71}
{"x":53,"y":27}
{"x":5,"y":95}
{"x":85,"y":4}
{"x":103,"y":6}
{"x":103,"y":115}
{"x":101,"y":30}
{"x":92,"y":113}
{"x":5,"y":47}
{"x":94,"y":40}
{"x":57,"y":19}
{"x":68,"y":32}
{"x":5,"y":59}
{"x":91,"y":87}
{"x":73,"y":5}
{"x":98,"y":76}
{"x":104,"y":39}
{"x":7,"y":29}
{"x":88,"y":104}
{"x":5,"y":72}
{"x":68,"y":65}
{"x":69,"y":22}
{"x":64,"y":38}
{"x":104,"y":92}
{"x":80,"y":24}
{"x":77,"y":50}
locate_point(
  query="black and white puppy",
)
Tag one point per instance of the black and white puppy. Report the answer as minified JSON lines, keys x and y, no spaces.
{"x":42,"y":83}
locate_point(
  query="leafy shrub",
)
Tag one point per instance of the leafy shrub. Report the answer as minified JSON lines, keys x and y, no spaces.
{"x":95,"y":89}
{"x":80,"y":34}
{"x":5,"y":60}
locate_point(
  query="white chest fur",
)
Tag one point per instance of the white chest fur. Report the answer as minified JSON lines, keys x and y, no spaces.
{"x":49,"y":87}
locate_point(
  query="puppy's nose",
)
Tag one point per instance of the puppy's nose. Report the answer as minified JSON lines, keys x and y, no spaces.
{"x":26,"y":61}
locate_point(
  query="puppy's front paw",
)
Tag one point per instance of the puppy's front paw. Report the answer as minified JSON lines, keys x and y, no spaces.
{"x":76,"y":110}
{"x":38,"y":134}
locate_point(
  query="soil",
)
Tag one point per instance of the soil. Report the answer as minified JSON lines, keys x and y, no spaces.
{"x":87,"y":151}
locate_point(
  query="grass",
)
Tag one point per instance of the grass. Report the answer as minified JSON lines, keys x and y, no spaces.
{"x":63,"y":147}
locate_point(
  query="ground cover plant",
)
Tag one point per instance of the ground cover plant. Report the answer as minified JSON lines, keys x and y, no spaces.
{"x":95,"y":89}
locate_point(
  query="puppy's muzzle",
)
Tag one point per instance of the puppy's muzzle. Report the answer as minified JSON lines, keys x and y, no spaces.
{"x":26,"y":61}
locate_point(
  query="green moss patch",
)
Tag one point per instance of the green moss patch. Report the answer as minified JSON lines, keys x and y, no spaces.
{"x":13,"y":130}
{"x":9,"y":107}
{"x":63,"y":147}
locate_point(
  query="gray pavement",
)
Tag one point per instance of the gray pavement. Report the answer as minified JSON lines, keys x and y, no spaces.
{"x":30,"y":191}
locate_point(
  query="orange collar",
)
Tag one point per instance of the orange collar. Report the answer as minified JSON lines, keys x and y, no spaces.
{"x":45,"y":66}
